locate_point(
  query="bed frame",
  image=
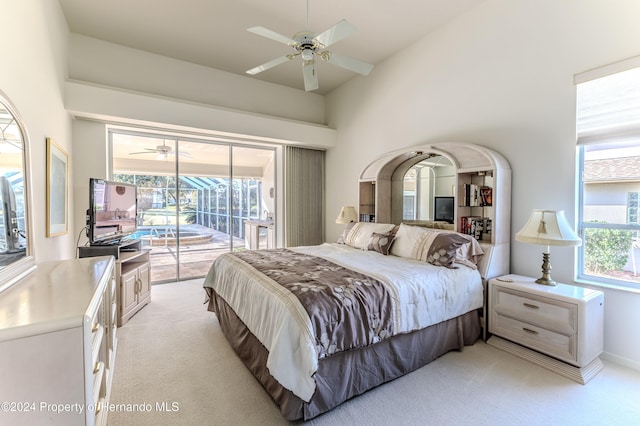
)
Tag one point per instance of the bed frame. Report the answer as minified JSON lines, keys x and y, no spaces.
{"x":339,"y":377}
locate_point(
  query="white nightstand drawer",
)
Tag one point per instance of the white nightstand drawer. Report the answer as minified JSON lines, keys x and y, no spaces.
{"x":558,"y":345}
{"x":542,"y":311}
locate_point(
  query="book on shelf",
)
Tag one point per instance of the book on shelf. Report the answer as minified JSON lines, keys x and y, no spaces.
{"x":477,"y":226}
{"x":472,"y":195}
{"x":367,"y":218}
{"x":486,"y":196}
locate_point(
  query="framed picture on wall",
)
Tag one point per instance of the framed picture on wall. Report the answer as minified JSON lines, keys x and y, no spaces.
{"x":57,"y":190}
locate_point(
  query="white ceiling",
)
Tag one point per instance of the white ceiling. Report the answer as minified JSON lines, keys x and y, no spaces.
{"x":213,"y":32}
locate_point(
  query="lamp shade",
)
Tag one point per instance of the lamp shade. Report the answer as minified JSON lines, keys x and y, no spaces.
{"x":549,"y":228}
{"x":347,"y":214}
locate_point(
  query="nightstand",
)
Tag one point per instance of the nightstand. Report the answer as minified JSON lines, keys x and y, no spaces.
{"x":557,"y":327}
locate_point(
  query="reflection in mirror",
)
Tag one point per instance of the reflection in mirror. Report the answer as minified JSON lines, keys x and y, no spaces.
{"x":425,"y":180}
{"x":15,"y":256}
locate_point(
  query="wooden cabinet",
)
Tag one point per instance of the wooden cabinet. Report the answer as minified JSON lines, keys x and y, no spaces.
{"x":133,"y":275}
{"x":136,"y":287}
{"x":563,"y":322}
{"x":58,"y":344}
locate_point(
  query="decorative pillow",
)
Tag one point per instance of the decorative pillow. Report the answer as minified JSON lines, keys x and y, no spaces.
{"x":440,"y":248}
{"x":345,"y":232}
{"x":468,"y":254}
{"x":416,"y":242}
{"x":381,"y":242}
{"x":407,"y":240}
{"x":360,"y":235}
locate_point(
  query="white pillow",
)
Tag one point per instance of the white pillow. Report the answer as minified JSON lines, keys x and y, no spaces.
{"x":414,"y":242}
{"x":360,"y":235}
{"x":407,"y":241}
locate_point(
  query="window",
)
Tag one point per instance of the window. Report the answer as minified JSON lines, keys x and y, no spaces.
{"x":608,"y":125}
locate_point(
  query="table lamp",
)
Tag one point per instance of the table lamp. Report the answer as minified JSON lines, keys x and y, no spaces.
{"x":347,"y":214}
{"x":550,"y":228}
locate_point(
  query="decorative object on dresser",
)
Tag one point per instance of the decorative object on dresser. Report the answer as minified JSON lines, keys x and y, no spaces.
{"x":347,"y":214}
{"x":550,"y":228}
{"x":58,"y":344}
{"x":558,"y":327}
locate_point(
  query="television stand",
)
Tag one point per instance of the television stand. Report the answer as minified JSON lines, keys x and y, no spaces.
{"x":133,"y":274}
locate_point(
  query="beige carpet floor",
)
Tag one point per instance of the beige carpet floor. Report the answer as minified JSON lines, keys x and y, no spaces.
{"x":174,"y":367}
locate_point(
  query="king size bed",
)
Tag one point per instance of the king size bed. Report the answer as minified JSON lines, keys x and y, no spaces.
{"x":319,"y":325}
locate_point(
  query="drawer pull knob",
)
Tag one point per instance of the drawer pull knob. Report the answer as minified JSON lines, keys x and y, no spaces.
{"x":528,"y":330}
{"x":95,"y":327}
{"x":96,"y":368}
{"x":529,"y":305}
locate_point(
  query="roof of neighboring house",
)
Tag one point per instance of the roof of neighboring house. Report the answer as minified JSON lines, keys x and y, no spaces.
{"x":626,"y":168}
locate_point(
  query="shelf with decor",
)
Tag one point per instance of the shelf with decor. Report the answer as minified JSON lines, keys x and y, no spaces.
{"x":475,"y":204}
{"x":367,"y":206}
{"x":381,"y":192}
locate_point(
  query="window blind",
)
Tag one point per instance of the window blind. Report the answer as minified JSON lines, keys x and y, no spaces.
{"x":608,"y":106}
{"x":304,"y":172}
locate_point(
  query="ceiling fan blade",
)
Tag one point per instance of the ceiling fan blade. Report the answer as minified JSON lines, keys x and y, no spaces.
{"x":148,"y":151}
{"x":270,"y":64}
{"x":348,"y":63}
{"x":310,"y":77}
{"x":336,"y":33}
{"x":264,"y":32}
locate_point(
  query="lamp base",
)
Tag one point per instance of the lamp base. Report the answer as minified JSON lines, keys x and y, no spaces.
{"x":545,"y":279}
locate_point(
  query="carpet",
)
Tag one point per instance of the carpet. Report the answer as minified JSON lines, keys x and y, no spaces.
{"x":174,"y":367}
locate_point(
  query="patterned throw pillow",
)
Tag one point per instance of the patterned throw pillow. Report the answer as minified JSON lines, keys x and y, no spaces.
{"x":360,"y":235}
{"x":345,"y":232}
{"x":381,"y":242}
{"x":442,"y":250}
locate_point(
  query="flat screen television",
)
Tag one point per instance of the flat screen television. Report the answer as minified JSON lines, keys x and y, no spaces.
{"x":443,"y":209}
{"x":113,"y":210}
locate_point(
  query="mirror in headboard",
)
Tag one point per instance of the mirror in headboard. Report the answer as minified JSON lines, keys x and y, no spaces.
{"x":15,"y":242}
{"x":424,"y":183}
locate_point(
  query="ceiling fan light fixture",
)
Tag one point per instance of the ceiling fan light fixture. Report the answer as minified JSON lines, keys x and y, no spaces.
{"x":307,"y":55}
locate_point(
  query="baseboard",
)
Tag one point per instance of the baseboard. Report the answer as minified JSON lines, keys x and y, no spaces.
{"x":616,"y":359}
{"x":581,"y":375}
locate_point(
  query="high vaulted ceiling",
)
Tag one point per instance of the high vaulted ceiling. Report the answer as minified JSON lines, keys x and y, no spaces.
{"x":214,"y":33}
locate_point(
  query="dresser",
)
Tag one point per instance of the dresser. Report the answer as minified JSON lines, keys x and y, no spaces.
{"x":58,"y":344}
{"x":558,"y":327}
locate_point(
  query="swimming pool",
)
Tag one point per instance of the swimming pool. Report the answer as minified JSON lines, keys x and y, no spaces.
{"x":160,"y":236}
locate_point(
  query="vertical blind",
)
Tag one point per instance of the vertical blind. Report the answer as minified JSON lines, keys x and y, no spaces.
{"x":304,"y":196}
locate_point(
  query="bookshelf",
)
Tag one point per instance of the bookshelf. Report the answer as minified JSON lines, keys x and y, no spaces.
{"x":475,"y":204}
{"x":367,"y":206}
{"x":482,"y":192}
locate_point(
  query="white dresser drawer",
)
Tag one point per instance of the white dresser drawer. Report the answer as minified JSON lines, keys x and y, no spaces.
{"x":558,"y":345}
{"x":537,"y":310}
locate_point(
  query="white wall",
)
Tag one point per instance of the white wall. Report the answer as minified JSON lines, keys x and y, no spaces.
{"x":499,"y":76}
{"x":34,"y":35}
{"x":113,"y":65}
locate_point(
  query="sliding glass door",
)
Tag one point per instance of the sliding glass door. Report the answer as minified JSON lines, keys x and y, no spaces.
{"x":194,"y":197}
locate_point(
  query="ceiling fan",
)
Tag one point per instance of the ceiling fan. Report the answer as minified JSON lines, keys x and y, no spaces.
{"x":308,"y":46}
{"x":162,"y":152}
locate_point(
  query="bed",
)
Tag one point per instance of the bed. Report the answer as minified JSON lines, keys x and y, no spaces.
{"x":319,"y":325}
